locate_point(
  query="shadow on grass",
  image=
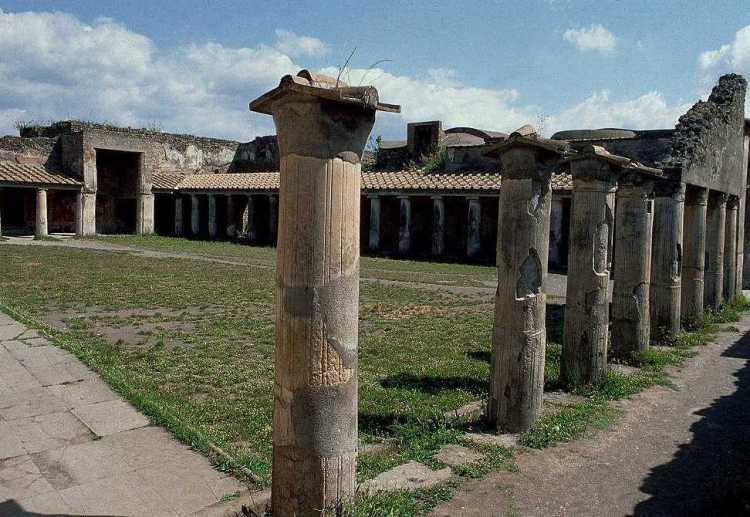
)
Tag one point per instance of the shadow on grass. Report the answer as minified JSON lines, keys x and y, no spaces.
{"x":710,"y":476}
{"x":433,"y":384}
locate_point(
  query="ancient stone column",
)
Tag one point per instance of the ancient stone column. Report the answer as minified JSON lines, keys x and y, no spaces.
{"x":519,"y":338}
{"x":231,"y":230}
{"x":179,"y":229}
{"x":666,"y":258}
{"x":631,"y":319}
{"x":730,"y":250}
{"x":41,"y":231}
{"x":715,"y":229}
{"x":144,"y":220}
{"x":87,"y":213}
{"x":322,"y":133}
{"x":438,"y":226}
{"x":251,"y":229}
{"x":474,"y":236}
{"x":273,"y":217}
{"x":694,"y":259}
{"x":195,"y":214}
{"x":556,"y":258}
{"x":586,"y":329}
{"x":212,"y":225}
{"x":78,"y":214}
{"x":374,"y":237}
{"x":404,"y":225}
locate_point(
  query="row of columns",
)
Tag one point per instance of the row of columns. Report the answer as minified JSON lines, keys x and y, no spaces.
{"x":650,"y":291}
{"x":249,"y":226}
{"x":474,"y":219}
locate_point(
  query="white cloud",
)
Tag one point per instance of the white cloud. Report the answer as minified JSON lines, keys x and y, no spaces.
{"x":649,"y":111}
{"x":54,"y":66}
{"x":293,"y":45}
{"x":440,"y":96}
{"x":732,"y":57}
{"x":593,"y":38}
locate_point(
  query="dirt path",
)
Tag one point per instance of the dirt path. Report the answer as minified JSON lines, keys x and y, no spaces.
{"x":675,"y":452}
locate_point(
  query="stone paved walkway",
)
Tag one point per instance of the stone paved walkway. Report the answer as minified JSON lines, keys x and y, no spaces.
{"x":69,"y":446}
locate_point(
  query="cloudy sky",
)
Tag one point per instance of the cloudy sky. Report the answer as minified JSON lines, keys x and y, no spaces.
{"x":192,"y":66}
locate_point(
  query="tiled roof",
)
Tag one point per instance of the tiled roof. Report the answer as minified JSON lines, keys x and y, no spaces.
{"x":390,"y":181}
{"x":166,"y":181}
{"x":30,"y":174}
{"x":431,"y":181}
{"x":238,"y":181}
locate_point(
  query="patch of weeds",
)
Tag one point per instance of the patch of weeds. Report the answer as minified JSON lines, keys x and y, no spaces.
{"x":569,"y":423}
{"x":494,"y":458}
{"x":402,"y":503}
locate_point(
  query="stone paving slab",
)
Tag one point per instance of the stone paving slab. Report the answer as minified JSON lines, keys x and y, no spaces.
{"x":71,"y":446}
{"x":409,"y":476}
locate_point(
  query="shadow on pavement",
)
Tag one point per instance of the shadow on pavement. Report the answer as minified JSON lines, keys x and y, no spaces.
{"x":710,"y":476}
{"x":13,"y":509}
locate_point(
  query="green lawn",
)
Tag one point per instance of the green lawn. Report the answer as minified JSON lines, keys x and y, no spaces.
{"x":191,"y":343}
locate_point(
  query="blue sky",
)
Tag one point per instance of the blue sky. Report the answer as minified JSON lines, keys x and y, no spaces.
{"x":192,"y":66}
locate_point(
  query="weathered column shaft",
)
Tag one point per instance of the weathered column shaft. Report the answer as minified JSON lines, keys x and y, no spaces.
{"x":584,"y":354}
{"x":694,"y":259}
{"x":41,"y":229}
{"x":730,"y":251}
{"x":179,"y":228}
{"x":404,"y":226}
{"x":631,"y":319}
{"x":374,"y":236}
{"x":666,"y":259}
{"x":144,"y":223}
{"x":248,"y":216}
{"x":321,"y":141}
{"x":78,"y":214}
{"x":213,"y":228}
{"x":715,"y":229}
{"x":474,"y":236}
{"x":273,"y":217}
{"x":231,"y":229}
{"x":438,"y":226}
{"x":88,"y":214}
{"x":195,"y":215}
{"x":556,"y":233}
{"x":519,"y":340}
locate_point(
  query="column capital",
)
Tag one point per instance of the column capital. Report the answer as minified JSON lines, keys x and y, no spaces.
{"x":372,"y":196}
{"x":696,"y":195}
{"x":437,"y":197}
{"x":404,"y":196}
{"x":733,"y":202}
{"x":666,"y":188}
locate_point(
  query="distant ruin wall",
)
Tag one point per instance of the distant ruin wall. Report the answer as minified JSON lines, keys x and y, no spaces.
{"x":707,"y":145}
{"x":38,"y":151}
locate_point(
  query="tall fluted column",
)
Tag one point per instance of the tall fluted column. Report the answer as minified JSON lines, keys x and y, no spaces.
{"x":41,"y":230}
{"x":195,"y":214}
{"x":212,"y":226}
{"x":694,"y":260}
{"x":438,"y":226}
{"x":78,"y":215}
{"x":631,"y":319}
{"x":519,"y":339}
{"x":404,"y":225}
{"x":273,"y":217}
{"x":179,"y":228}
{"x":231,"y":229}
{"x":374,"y":237}
{"x":321,"y":140}
{"x":474,"y":237}
{"x":586,"y":328}
{"x":715,"y":229}
{"x":666,"y":258}
{"x":730,"y":251}
{"x":249,"y":223}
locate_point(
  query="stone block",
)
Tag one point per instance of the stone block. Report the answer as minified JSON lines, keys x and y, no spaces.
{"x":409,"y":476}
{"x":37,"y":341}
{"x":83,"y":393}
{"x":32,"y":402}
{"x":492,"y":440}
{"x":6,"y":320}
{"x":457,"y":455}
{"x":10,"y":445}
{"x":80,"y":464}
{"x":21,"y":479}
{"x":50,"y":431}
{"x":11,"y":331}
{"x":29,"y":334}
{"x":109,"y":417}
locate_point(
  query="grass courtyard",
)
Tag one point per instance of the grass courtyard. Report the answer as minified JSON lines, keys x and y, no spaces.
{"x":190,"y":342}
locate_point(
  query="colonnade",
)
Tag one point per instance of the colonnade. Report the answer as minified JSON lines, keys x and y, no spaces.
{"x":674,"y":256}
{"x":241,"y":216}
